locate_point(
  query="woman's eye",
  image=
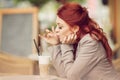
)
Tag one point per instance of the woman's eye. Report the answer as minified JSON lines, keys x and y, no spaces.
{"x":60,"y":27}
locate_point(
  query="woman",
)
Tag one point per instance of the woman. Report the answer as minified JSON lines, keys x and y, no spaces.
{"x":80,"y":50}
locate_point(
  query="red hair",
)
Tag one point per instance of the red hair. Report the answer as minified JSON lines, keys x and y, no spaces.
{"x":75,"y":14}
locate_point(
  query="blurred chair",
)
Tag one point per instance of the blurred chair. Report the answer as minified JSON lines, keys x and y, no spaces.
{"x":14,"y":65}
{"x":116,"y":48}
{"x":116,"y":62}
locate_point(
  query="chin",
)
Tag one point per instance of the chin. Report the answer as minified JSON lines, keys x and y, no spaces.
{"x":61,"y":39}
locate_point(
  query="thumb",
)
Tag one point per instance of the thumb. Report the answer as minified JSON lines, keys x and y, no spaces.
{"x":41,"y":36}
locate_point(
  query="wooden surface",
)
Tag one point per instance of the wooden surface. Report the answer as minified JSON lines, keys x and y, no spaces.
{"x":14,"y":65}
{"x":30,"y":77}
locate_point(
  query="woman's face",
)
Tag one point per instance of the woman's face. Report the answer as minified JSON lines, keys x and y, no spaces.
{"x":62,"y":29}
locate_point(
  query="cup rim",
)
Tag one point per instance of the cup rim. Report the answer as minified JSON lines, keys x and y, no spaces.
{"x":44,"y":59}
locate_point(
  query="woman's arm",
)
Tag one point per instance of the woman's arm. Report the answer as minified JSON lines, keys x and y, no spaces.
{"x":57,"y":58}
{"x":85,"y":61}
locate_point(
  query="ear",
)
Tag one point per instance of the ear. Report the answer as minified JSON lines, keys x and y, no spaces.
{"x":75,"y":28}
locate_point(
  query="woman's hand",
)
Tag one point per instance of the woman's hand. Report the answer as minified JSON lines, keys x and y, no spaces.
{"x":50,"y":37}
{"x":70,"y":39}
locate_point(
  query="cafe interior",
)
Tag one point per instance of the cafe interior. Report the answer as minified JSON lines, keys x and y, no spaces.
{"x":21,"y":21}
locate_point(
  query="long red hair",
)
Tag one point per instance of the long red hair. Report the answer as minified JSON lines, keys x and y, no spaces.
{"x":75,"y":14}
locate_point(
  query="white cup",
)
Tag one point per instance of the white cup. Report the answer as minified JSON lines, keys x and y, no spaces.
{"x":44,"y":62}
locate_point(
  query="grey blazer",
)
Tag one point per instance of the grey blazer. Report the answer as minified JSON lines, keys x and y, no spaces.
{"x":90,"y":62}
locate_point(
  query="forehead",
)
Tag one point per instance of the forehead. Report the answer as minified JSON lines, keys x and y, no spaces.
{"x":60,"y":21}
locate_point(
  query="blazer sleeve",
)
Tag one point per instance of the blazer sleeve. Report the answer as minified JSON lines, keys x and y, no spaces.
{"x":85,"y":61}
{"x":57,"y":58}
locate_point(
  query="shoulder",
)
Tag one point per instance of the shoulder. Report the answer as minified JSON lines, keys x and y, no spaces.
{"x":89,"y":45}
{"x":87,"y":39}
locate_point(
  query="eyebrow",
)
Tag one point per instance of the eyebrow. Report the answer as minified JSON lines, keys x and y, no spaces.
{"x":59,"y":24}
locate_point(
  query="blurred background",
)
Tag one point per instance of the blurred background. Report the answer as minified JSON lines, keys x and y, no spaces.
{"x":22,"y":20}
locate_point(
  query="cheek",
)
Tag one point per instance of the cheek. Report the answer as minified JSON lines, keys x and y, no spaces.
{"x":62,"y":34}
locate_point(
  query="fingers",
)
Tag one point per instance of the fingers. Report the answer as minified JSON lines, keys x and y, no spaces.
{"x":51,"y":40}
{"x":50,"y":35}
{"x":47,"y":31}
{"x":74,"y":39}
{"x":64,"y":40}
{"x":53,"y":29}
{"x":42,"y":36}
{"x":46,"y":38}
{"x":68,"y":39}
{"x":71,"y":39}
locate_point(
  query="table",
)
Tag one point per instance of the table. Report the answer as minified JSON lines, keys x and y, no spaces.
{"x":30,"y":77}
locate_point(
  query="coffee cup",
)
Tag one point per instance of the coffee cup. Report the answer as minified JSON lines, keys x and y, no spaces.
{"x":44,"y":63}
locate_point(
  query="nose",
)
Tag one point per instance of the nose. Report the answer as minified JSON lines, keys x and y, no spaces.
{"x":56,"y":30}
